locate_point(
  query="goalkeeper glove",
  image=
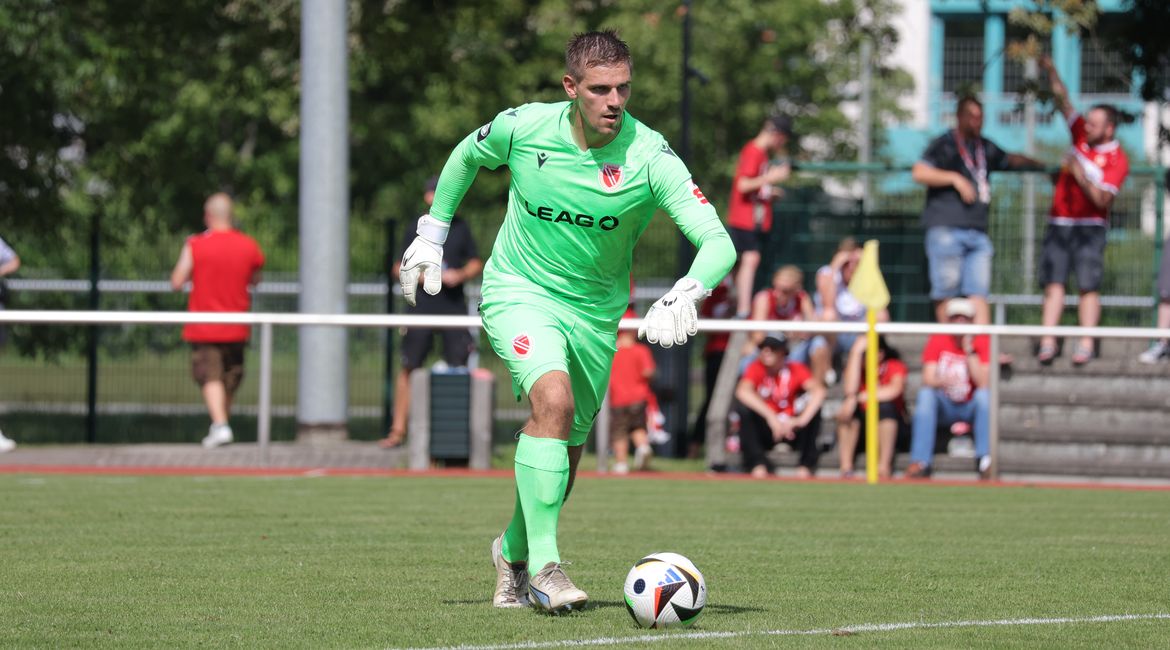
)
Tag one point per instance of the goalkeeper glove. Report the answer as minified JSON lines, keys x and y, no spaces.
{"x":673,"y":318}
{"x":424,"y":256}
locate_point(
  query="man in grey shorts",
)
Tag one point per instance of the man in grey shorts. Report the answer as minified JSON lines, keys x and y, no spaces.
{"x":1091,"y":175}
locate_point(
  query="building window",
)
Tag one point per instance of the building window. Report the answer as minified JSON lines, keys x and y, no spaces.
{"x":962,"y":54}
{"x":1103,"y":71}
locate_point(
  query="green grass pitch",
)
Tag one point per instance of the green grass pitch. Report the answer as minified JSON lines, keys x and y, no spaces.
{"x":335,"y":562}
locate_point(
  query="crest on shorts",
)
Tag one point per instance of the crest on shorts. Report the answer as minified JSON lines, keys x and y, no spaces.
{"x":610,"y":176}
{"x":521,"y":345}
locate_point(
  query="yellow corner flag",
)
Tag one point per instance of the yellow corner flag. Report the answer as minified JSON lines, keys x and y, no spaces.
{"x":869,"y":287}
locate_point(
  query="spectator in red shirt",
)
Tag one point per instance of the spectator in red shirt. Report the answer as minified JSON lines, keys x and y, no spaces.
{"x":223,"y":264}
{"x":954,"y":389}
{"x":891,"y":405}
{"x":779,"y":401}
{"x":749,"y":215}
{"x":629,"y":391}
{"x":787,"y":300}
{"x":1090,"y":177}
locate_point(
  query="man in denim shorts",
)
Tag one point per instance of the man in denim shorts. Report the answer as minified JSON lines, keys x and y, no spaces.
{"x":956,"y":170}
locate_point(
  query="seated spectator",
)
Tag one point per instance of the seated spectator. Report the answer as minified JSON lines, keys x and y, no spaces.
{"x":629,"y":392}
{"x":779,"y":401}
{"x":787,"y":300}
{"x":954,"y":389}
{"x":834,"y":303}
{"x":891,"y":405}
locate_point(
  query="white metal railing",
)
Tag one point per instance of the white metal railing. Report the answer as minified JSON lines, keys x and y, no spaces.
{"x":266,"y":321}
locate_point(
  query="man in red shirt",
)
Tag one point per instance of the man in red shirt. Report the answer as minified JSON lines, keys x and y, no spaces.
{"x":954,"y":389}
{"x":1090,"y":177}
{"x":749,"y":216}
{"x":629,"y":392}
{"x":223,"y":264}
{"x":779,"y":401}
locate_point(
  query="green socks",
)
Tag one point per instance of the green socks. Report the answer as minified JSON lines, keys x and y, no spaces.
{"x":542,"y":472}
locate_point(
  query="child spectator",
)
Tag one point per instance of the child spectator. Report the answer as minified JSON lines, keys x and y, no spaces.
{"x":779,"y":401}
{"x":629,"y":392}
{"x":891,"y":405}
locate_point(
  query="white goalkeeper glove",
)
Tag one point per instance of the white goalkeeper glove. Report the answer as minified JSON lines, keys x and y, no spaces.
{"x":673,"y":318}
{"x":424,"y":256}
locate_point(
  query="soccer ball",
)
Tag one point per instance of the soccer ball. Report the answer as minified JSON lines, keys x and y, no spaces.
{"x":664,"y":590}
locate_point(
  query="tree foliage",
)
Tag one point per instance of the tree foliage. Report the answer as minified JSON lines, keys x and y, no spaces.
{"x":135,"y":110}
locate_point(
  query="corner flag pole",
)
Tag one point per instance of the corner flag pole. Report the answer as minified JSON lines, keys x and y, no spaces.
{"x":869,"y":287}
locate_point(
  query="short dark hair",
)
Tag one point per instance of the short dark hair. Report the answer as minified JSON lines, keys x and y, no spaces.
{"x":594,"y":49}
{"x":1111,"y":114}
{"x":964,"y":101}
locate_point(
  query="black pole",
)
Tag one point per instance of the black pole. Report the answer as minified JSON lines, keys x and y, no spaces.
{"x":682,"y":355}
{"x":92,"y":351}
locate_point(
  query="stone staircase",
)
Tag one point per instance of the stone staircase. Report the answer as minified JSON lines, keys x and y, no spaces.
{"x":1108,"y":419}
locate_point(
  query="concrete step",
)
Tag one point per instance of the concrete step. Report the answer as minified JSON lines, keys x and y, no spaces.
{"x":1085,"y":434}
{"x":1049,"y":417}
{"x":1133,"y":400}
{"x":1095,"y":468}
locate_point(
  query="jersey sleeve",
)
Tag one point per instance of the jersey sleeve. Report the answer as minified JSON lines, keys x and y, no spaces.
{"x":677,"y":194}
{"x":938,"y":152}
{"x":931,"y":352}
{"x":754,"y":373}
{"x":751,"y":161}
{"x":997,"y":159}
{"x":488,"y":146}
{"x":1114,"y":174}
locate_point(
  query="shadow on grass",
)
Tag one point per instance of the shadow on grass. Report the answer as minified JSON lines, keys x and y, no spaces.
{"x":606,"y":604}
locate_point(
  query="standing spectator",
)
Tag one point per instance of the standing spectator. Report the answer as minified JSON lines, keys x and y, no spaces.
{"x":9,"y":263}
{"x":891,"y":393}
{"x":749,"y":216}
{"x":954,"y":389}
{"x":460,"y":264}
{"x":720,"y":304}
{"x":1091,"y":174}
{"x":787,"y":300}
{"x":223,"y":264}
{"x":629,"y":393}
{"x":834,"y":301}
{"x":1160,"y":349}
{"x":956,"y":169}
{"x":779,"y":401}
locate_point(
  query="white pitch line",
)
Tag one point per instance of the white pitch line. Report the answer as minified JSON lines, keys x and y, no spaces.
{"x":848,"y":629}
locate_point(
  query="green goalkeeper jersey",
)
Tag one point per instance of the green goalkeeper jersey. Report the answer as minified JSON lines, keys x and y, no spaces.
{"x":575,"y":216}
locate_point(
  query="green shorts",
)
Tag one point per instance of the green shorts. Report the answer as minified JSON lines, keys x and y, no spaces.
{"x":534,"y":334}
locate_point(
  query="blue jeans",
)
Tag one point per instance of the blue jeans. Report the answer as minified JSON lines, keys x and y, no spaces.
{"x":960,"y":262}
{"x":934,"y":408}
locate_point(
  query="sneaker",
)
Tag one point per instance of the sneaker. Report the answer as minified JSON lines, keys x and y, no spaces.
{"x":511,"y":578}
{"x":1158,"y":350}
{"x":642,"y":458}
{"x":6,"y":444}
{"x":918,"y":470}
{"x":621,"y":468}
{"x":217,"y":434}
{"x":552,"y":591}
{"x":984,"y":468}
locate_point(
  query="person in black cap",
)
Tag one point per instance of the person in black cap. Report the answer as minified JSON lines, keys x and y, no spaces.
{"x":749,"y":214}
{"x":779,"y":401}
{"x":461,"y":262}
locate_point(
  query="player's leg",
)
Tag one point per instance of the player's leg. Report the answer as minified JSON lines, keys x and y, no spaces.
{"x":848,"y":431}
{"x":207,"y":370}
{"x":925,"y":428}
{"x":1089,"y":262}
{"x":619,"y":436}
{"x":1055,"y":264}
{"x":944,"y":256}
{"x":415,"y":346}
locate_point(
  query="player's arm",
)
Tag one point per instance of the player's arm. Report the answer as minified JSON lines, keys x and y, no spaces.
{"x":1101,"y":197}
{"x":745,"y":392}
{"x":929,"y":171}
{"x":182,"y":271}
{"x":1059,"y":90}
{"x":816,"y":399}
{"x":489,"y":146}
{"x":10,"y":265}
{"x":674,"y":318}
{"x":976,"y":366}
{"x":759,"y":312}
{"x":930,"y":375}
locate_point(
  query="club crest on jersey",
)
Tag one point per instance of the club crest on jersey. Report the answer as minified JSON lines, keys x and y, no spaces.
{"x":521,"y":345}
{"x":610,"y":176}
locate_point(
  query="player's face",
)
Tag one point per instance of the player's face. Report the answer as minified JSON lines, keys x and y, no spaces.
{"x":1098,"y":130}
{"x":971,"y":121}
{"x":771,"y":357}
{"x":600,"y":95}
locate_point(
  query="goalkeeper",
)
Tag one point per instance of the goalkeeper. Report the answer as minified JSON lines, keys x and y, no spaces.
{"x":586,"y":177}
